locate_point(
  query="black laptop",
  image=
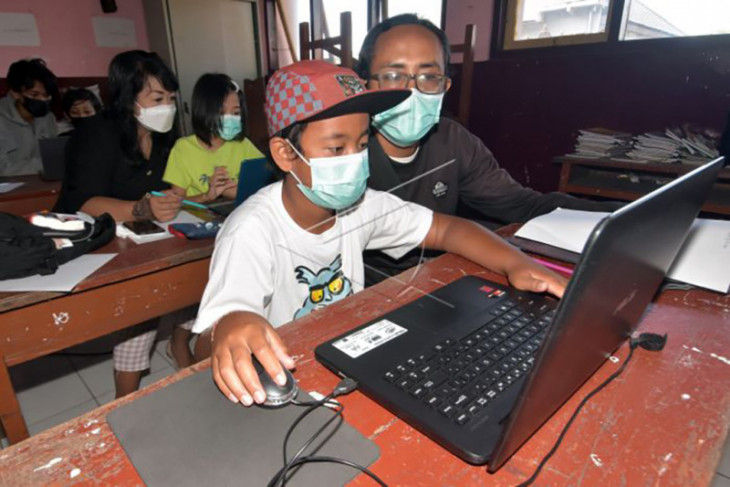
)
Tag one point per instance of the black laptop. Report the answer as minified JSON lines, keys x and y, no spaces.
{"x":479,"y":367}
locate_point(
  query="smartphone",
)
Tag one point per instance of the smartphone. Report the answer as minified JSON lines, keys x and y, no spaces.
{"x":144,"y":227}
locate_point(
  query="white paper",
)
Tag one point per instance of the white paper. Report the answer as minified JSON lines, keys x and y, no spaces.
{"x":114,"y":32}
{"x":8,"y":187}
{"x":18,"y":29}
{"x":703,"y":260}
{"x":182,"y":217}
{"x":67,"y":276}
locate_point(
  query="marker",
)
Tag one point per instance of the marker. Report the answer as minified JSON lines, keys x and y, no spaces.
{"x":185,"y":202}
{"x":555,"y":267}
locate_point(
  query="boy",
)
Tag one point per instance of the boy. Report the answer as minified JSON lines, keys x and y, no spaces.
{"x":25,"y":117}
{"x":297,"y":244}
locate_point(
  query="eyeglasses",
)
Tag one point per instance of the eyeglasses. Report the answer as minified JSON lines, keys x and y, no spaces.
{"x":429,"y":83}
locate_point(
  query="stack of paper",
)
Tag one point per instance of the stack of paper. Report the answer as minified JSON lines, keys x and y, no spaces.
{"x":676,"y":144}
{"x":601,"y":143}
{"x":655,"y":147}
{"x":703,"y":261}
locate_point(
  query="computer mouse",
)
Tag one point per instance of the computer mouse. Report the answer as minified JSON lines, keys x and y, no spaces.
{"x":276,"y":395}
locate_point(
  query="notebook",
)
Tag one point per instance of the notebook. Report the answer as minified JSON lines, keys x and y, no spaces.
{"x":479,"y":367}
{"x":189,"y":434}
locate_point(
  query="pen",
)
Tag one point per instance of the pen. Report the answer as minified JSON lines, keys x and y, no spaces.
{"x":554,"y":267}
{"x":185,"y":202}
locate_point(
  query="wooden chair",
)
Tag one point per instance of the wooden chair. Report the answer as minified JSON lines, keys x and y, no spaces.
{"x":467,"y":72}
{"x":344,"y":40}
{"x":254,"y":91}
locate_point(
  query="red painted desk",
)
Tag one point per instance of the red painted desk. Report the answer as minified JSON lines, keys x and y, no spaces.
{"x":663,"y":422}
{"x":140,"y":283}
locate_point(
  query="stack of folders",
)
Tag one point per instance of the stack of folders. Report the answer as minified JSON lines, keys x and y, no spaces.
{"x":599,"y":143}
{"x":675,"y":145}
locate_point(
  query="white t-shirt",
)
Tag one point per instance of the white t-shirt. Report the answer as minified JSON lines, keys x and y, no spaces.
{"x":265,"y":263}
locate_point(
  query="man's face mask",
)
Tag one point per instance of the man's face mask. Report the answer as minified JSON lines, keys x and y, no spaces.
{"x":406,"y":123}
{"x":337,"y":182}
{"x":37,"y":108}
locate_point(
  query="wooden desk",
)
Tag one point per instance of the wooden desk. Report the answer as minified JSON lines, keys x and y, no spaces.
{"x":35,"y":195}
{"x":663,"y":422}
{"x":628,"y":181}
{"x":140,"y":283}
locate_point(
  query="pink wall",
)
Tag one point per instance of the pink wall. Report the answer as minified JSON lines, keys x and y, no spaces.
{"x":67,"y":35}
{"x":478,"y":12}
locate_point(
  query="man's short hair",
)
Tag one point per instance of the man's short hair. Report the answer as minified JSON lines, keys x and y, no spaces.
{"x":368,"y":45}
{"x":23,"y":74}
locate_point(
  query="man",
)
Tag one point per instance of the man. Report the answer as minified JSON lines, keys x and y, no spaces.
{"x":412,"y":139}
{"x":25,"y":117}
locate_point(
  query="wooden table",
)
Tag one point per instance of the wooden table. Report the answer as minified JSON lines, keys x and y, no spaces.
{"x":663,"y":422}
{"x":627,"y":181}
{"x":35,"y":195}
{"x":140,"y":283}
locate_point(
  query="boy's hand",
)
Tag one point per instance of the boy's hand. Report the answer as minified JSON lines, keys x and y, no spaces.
{"x":531,"y":276}
{"x":238,"y":336}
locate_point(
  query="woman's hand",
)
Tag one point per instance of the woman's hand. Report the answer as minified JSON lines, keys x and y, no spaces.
{"x":165,"y":208}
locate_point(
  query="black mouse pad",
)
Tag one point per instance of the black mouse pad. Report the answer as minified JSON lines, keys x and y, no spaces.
{"x":189,"y":434}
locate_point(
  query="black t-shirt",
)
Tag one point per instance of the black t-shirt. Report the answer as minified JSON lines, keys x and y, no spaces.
{"x":474,"y":179}
{"x":97,"y":166}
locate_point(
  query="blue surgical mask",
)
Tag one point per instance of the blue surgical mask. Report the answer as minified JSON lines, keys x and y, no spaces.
{"x":337,"y":182}
{"x":230,"y":126}
{"x":406,"y":123}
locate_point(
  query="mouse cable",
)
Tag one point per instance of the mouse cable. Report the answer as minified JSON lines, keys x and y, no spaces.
{"x":345,"y":386}
{"x":647,"y":341}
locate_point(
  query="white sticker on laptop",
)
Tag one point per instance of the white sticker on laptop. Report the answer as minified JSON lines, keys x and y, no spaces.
{"x":362,"y":341}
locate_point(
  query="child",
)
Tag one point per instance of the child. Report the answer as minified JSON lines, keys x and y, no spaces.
{"x":297,"y":245}
{"x":80,"y":103}
{"x":205,"y":165}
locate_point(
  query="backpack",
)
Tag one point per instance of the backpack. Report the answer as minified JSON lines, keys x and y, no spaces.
{"x":27,"y":250}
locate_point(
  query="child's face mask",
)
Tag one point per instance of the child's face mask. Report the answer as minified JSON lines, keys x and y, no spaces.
{"x":230,"y":126}
{"x":337,"y":182}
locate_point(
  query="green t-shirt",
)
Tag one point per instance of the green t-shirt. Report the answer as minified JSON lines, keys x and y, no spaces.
{"x":191,"y":165}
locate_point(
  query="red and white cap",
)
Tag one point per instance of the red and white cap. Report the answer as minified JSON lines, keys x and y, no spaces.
{"x":314,"y":90}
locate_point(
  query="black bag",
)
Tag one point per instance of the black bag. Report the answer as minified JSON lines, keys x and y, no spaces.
{"x":26,"y":250}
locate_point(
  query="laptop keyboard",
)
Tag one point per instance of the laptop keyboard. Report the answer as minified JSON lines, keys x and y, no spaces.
{"x":459,"y":378}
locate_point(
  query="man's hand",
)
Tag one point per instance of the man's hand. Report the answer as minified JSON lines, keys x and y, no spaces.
{"x":236,"y":338}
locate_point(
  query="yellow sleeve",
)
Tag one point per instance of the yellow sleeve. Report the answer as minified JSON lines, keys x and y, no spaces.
{"x":174,"y":171}
{"x":250,"y":151}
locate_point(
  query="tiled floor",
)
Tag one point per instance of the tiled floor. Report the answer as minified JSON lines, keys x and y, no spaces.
{"x":54,"y":389}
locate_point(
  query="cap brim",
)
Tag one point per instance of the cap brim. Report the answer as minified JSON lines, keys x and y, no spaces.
{"x":370,"y":102}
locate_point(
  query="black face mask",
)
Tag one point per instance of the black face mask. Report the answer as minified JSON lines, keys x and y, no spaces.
{"x":37,"y":108}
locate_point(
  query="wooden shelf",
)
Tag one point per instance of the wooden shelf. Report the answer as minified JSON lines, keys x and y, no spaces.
{"x":628,"y":181}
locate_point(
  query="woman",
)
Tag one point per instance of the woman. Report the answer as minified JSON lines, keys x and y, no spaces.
{"x":205,"y":165}
{"x":114,"y":163}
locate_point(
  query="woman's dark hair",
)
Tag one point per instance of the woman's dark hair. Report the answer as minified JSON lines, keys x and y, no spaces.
{"x":23,"y":74}
{"x":128,"y":74}
{"x":74,"y":95}
{"x":209,"y":95}
{"x":368,"y":45}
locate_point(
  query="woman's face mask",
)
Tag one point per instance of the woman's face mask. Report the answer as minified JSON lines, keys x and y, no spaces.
{"x":159,"y":118}
{"x":337,"y":182}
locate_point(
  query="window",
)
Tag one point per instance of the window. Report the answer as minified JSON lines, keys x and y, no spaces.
{"x":540,"y":23}
{"x":324,"y":20}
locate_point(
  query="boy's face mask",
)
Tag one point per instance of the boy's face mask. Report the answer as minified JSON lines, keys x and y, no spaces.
{"x":337,"y":182}
{"x":406,"y":123}
{"x":37,"y":108}
{"x":230,"y":126}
